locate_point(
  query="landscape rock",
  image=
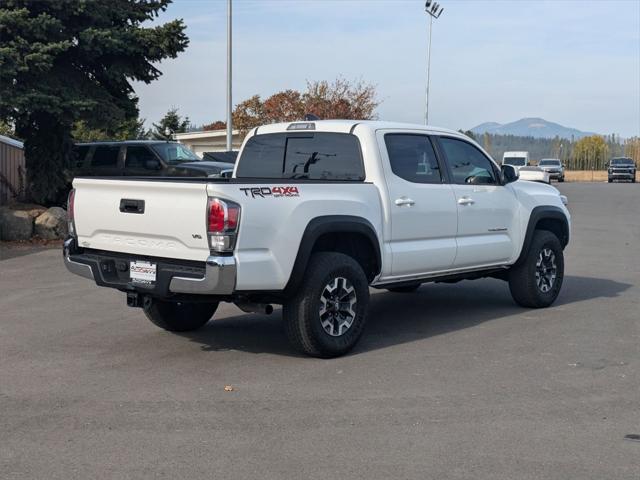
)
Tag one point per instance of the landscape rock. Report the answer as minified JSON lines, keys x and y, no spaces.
{"x":15,"y":225}
{"x":52,"y":224}
{"x":34,"y":211}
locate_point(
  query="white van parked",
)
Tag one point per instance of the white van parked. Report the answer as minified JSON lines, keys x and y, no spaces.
{"x":517,"y":159}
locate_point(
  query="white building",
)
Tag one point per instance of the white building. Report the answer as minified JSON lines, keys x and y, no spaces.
{"x":209,"y":141}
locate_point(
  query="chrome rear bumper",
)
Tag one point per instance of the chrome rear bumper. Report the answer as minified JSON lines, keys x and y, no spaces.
{"x":219,"y":278}
{"x":219,"y":273}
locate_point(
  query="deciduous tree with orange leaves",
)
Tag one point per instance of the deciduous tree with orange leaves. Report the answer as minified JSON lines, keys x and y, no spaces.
{"x":338,"y":99}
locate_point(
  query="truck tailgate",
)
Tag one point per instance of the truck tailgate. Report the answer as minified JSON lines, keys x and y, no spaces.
{"x":161,"y":219}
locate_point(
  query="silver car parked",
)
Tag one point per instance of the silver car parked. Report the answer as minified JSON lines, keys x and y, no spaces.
{"x":554,"y":167}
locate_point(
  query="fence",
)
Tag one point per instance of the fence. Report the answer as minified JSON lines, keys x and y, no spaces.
{"x":12,"y":170}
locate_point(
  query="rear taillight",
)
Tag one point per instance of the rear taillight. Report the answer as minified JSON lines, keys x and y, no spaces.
{"x":223,"y":218}
{"x":71,"y":212}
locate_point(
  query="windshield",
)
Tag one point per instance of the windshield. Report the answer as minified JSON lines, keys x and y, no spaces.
{"x":515,"y":161}
{"x":173,"y":153}
{"x":549,"y":162}
{"x":621,"y":161}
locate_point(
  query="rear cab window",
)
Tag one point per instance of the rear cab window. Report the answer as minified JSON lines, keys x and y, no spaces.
{"x":323,"y":156}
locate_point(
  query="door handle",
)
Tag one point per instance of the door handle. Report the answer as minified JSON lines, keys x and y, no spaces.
{"x":404,"y":202}
{"x":466,"y":201}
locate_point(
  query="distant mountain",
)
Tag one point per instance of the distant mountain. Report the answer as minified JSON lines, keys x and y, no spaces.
{"x":530,"y":127}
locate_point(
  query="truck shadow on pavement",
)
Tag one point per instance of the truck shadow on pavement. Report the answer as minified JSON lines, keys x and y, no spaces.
{"x":397,"y":318}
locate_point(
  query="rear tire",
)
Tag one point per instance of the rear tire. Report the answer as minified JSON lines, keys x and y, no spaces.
{"x":405,"y":289}
{"x":327,"y":316}
{"x":536,"y":282}
{"x":179,"y":316}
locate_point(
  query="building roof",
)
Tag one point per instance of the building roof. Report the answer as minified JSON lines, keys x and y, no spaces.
{"x":203,"y":134}
{"x":11,"y":141}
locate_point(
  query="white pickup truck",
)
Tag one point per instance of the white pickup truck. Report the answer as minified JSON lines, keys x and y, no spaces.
{"x":314,"y":215}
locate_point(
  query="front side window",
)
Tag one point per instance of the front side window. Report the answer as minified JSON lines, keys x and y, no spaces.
{"x":468,"y":164}
{"x":312,"y":156}
{"x":412,"y":158}
{"x":105,"y":156}
{"x":137,"y":157}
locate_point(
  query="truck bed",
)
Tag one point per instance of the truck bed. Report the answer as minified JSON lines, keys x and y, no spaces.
{"x":167,"y":218}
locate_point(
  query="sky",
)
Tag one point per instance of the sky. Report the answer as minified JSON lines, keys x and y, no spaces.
{"x":574,"y":62}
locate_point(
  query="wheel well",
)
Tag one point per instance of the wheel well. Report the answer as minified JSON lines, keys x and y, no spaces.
{"x":357,"y":245}
{"x":555,"y":226}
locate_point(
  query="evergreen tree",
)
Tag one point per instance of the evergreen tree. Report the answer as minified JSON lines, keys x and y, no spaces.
{"x":171,"y":123}
{"x":66,"y":61}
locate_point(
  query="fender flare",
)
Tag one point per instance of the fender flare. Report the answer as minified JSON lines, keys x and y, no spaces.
{"x":329,"y":224}
{"x":543,"y":212}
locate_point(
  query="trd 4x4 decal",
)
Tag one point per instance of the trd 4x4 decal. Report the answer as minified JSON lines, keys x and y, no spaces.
{"x":271,"y":191}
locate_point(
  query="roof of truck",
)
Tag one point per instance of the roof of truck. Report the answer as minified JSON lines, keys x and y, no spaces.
{"x":346,"y":126}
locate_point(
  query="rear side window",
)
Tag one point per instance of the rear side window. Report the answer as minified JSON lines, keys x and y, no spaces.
{"x":313,"y":156}
{"x":412,"y":158}
{"x":468,"y":164}
{"x":105,"y":156}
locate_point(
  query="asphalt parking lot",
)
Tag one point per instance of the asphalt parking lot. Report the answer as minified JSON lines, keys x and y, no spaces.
{"x":454,"y":381}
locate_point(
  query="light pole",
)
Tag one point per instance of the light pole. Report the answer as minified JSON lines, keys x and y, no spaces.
{"x":434,"y":10}
{"x":229,"y":101}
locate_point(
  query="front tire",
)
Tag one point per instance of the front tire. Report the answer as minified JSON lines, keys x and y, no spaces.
{"x":179,"y":316}
{"x":536,"y":282}
{"x":327,"y":316}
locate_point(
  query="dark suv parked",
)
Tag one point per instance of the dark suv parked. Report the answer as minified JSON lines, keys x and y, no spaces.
{"x":622,"y":168}
{"x":143,"y":158}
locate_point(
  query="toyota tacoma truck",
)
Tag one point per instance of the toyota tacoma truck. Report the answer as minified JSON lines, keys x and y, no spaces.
{"x":314,"y":215}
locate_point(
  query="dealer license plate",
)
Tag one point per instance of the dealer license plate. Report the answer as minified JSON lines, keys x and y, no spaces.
{"x":142,"y":272}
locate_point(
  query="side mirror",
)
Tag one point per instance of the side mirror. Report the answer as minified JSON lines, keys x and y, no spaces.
{"x":226,"y":173}
{"x":152,"y":165}
{"x":509,"y":174}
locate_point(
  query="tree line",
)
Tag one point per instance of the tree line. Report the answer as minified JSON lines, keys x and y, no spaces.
{"x":588,"y":153}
